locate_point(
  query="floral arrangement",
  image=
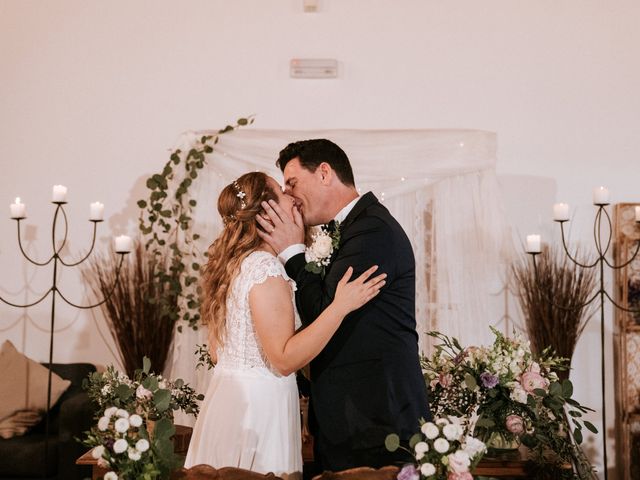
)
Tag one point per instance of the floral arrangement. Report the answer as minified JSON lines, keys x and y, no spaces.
{"x":147,"y":394}
{"x":510,"y":396}
{"x":132,"y":437}
{"x":324,"y":242}
{"x":121,"y":443}
{"x":441,"y":450}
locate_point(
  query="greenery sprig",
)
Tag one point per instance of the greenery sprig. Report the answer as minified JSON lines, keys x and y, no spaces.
{"x":166,"y":220}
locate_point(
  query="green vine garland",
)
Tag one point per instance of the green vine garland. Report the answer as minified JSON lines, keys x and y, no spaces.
{"x":166,"y":225}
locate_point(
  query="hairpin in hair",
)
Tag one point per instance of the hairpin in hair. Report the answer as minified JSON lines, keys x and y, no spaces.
{"x":240,"y":194}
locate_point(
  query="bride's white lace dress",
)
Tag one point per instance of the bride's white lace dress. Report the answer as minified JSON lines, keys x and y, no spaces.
{"x":250,"y":417}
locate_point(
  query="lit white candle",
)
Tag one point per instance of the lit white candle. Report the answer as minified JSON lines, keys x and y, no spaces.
{"x":561,"y":212}
{"x":18,"y":209}
{"x":600,"y":196}
{"x":59,"y":193}
{"x":124,"y":244}
{"x":97,"y":211}
{"x":533,"y":244}
{"x":637,"y":214}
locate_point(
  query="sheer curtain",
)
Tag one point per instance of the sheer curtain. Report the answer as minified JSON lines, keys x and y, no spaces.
{"x":439,"y":184}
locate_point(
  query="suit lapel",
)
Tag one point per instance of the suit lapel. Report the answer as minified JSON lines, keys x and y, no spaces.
{"x":361,"y":205}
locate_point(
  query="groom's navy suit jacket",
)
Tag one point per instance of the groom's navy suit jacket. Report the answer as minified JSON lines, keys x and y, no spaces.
{"x":367,"y":381}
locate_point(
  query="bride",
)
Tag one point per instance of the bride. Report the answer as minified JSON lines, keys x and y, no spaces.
{"x":250,"y":417}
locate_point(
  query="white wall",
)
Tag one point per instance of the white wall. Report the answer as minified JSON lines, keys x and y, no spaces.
{"x":93,"y":93}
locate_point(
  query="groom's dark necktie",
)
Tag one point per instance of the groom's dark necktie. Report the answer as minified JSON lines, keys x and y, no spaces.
{"x":331,"y":226}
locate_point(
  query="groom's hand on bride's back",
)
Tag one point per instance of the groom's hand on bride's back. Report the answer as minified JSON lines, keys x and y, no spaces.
{"x":280,"y":229}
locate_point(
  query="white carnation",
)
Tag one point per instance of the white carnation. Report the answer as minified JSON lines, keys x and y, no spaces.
{"x":430,"y":430}
{"x":110,"y":476}
{"x":134,"y":454}
{"x":142,"y":445}
{"x":452,"y":431}
{"x":473,"y":446}
{"x":427,"y":469}
{"x":421,"y":447}
{"x":441,"y":445}
{"x":97,"y":452}
{"x":122,"y":413}
{"x":135,"y":420}
{"x":103,"y":423}
{"x":122,"y":425}
{"x":110,"y":412}
{"x":120,"y":445}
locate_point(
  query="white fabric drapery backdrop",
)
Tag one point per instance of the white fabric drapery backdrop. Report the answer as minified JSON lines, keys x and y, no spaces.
{"x":439,"y":184}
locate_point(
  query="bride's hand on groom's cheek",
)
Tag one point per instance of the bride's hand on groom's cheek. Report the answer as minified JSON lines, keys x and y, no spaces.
{"x":280,"y":230}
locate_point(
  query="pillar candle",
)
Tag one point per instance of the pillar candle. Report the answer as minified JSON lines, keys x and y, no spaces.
{"x":18,"y":209}
{"x":561,"y":212}
{"x":59,"y":193}
{"x":533,"y":244}
{"x":97,"y":211}
{"x":124,"y":244}
{"x":600,"y":196}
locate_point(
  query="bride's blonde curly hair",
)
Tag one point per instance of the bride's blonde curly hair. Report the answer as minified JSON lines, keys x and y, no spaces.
{"x":238,"y":204}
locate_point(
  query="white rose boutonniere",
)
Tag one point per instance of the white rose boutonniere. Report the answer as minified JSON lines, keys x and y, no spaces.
{"x":324,"y":243}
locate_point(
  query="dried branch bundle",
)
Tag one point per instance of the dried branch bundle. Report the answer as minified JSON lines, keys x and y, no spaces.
{"x":139,"y":322}
{"x":561,"y":282}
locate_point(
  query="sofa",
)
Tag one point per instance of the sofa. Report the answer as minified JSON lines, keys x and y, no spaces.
{"x":23,"y":457}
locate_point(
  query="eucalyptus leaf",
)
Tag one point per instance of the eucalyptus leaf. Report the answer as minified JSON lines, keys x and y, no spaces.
{"x":392,"y":442}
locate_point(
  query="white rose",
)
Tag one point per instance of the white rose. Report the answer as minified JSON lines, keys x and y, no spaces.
{"x":122,"y":413}
{"x":322,"y":246}
{"x":459,"y":462}
{"x":142,"y":445}
{"x":110,"y":476}
{"x":134,"y":454}
{"x":430,"y":430}
{"x":135,"y":420}
{"x":452,"y":431}
{"x":103,"y":424}
{"x":427,"y":469}
{"x":110,"y":412}
{"x":473,"y":446}
{"x":120,"y":445}
{"x":97,"y":452}
{"x":122,"y":425}
{"x":519,"y":395}
{"x":441,"y":445}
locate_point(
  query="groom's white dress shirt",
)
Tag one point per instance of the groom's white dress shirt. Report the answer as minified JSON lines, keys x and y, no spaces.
{"x":297,"y":248}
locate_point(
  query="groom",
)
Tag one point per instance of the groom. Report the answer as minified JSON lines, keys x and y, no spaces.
{"x":367,"y":381}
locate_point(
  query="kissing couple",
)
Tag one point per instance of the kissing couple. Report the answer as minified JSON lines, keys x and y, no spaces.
{"x":274,"y":301}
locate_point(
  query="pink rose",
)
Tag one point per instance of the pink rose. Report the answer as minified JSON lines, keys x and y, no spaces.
{"x":445,"y":379}
{"x":515,"y":424}
{"x":459,"y":461}
{"x":460,"y":476}
{"x":532,"y":380}
{"x":142,"y":392}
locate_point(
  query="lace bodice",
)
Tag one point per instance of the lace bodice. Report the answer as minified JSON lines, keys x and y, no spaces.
{"x":241,"y":347}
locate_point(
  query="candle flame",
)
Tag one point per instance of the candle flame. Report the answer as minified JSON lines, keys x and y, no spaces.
{"x":18,"y":200}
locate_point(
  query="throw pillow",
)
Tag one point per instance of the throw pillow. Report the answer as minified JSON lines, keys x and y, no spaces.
{"x":23,"y":383}
{"x":19,"y":423}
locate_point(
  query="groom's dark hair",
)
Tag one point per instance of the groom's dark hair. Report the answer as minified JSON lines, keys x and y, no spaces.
{"x":315,"y":151}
